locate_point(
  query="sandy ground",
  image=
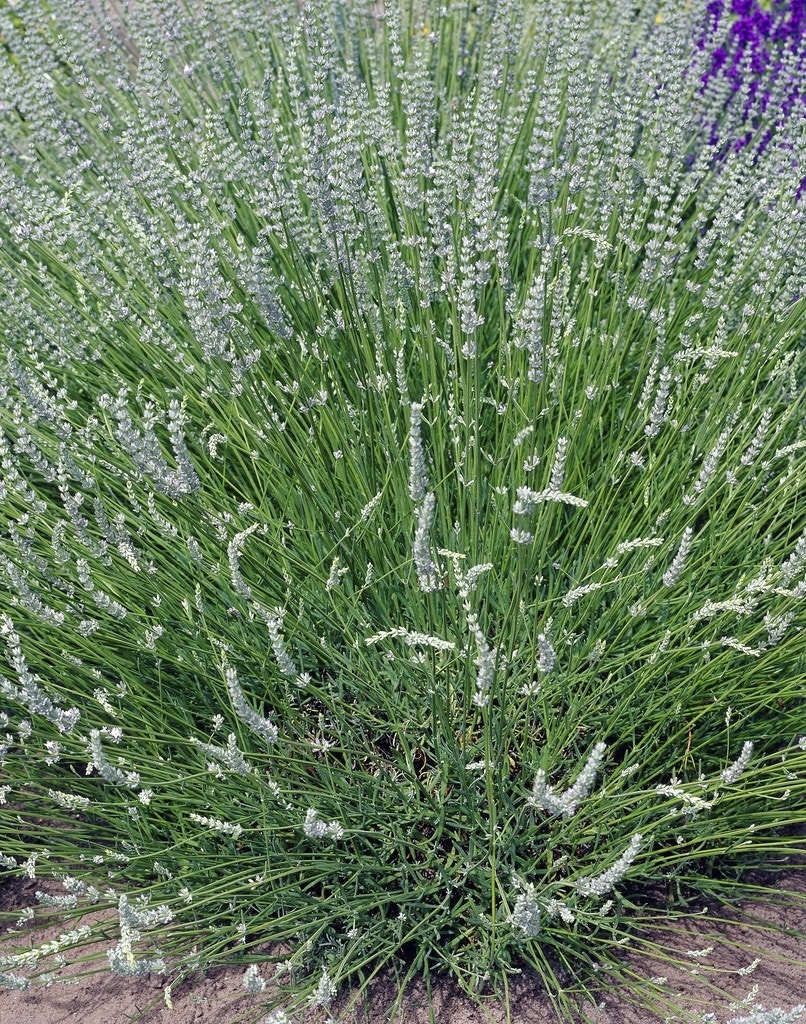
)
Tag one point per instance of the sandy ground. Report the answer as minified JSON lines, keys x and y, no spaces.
{"x":709,"y":981}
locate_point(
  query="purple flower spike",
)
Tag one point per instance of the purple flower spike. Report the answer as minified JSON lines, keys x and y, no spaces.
{"x":763,"y":58}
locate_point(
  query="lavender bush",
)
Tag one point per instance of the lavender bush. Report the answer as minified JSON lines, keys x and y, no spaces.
{"x":757,"y":65}
{"x":404,"y":534}
{"x":760,"y":51}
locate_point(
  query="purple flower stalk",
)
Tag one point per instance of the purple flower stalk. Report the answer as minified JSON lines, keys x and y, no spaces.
{"x":762,"y":57}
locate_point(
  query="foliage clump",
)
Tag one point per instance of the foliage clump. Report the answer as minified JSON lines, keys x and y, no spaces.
{"x":404,"y":531}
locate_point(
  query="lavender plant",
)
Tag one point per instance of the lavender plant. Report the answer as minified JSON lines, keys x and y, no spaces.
{"x":757,"y":65}
{"x":760,"y":51}
{"x":404,"y":533}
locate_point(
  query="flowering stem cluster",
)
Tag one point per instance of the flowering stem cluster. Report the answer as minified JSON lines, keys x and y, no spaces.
{"x":402,"y":484}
